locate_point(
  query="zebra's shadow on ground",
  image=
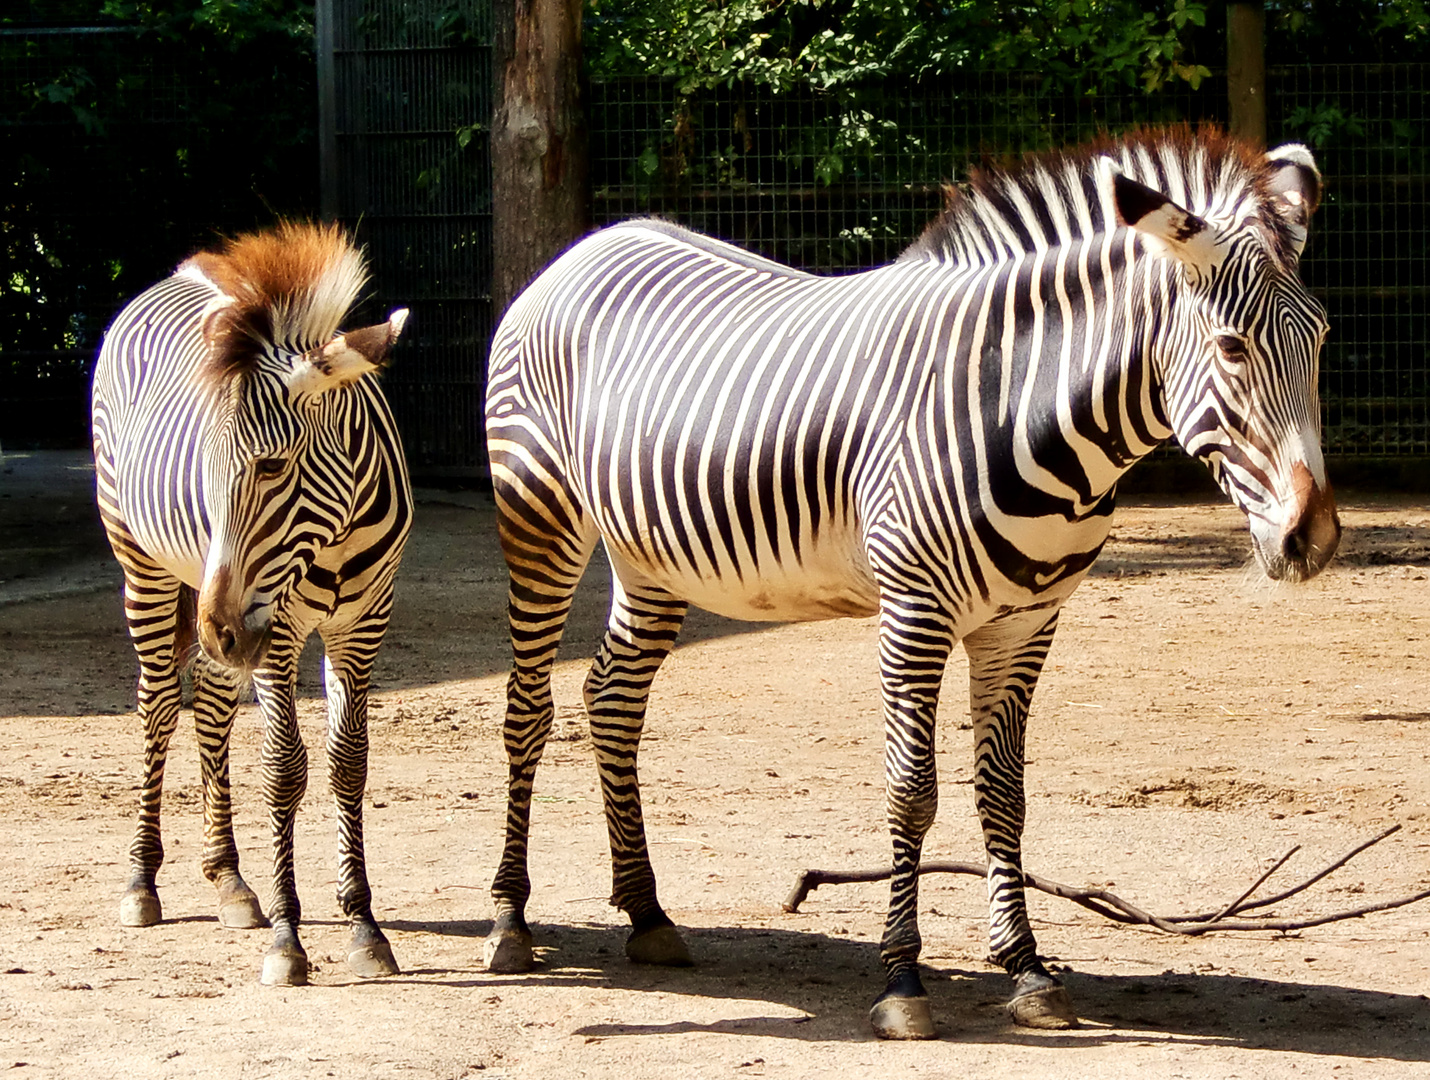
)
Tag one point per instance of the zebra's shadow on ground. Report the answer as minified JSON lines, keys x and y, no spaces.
{"x":830,"y":981}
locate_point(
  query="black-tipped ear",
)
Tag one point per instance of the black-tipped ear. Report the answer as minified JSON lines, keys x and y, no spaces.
{"x":1296,"y":185}
{"x":1165,"y":228}
{"x":1134,"y":201}
{"x":347,"y":357}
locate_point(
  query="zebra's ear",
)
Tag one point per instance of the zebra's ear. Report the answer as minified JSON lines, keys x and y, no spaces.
{"x":1165,"y":228}
{"x":1296,"y":187}
{"x":347,"y":357}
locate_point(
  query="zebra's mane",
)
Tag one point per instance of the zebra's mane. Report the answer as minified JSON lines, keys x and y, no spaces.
{"x":1050,"y":198}
{"x":290,"y":286}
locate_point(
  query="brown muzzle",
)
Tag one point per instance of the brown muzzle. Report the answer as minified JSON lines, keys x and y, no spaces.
{"x":224,"y":635}
{"x":1312,"y":531}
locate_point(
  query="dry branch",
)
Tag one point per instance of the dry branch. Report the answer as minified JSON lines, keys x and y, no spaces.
{"x":1111,"y":906}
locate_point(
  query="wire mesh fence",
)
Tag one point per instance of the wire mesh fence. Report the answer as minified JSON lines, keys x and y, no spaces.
{"x":838,"y":182}
{"x":72,"y":241}
{"x":119,"y":157}
{"x":1368,"y":259}
{"x":831,"y":182}
{"x":411,"y":175}
{"x":113,"y":168}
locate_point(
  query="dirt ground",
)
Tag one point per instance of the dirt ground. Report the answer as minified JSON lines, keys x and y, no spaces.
{"x":1193,"y":724}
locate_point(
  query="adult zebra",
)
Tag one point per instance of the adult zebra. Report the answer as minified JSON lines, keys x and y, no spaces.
{"x":936,"y":441}
{"x":242,"y":453}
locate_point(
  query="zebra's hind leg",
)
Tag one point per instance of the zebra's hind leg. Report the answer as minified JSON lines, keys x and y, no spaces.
{"x":547,"y":545}
{"x":640,"y":633}
{"x":285,"y":781}
{"x":152,"y":610}
{"x":347,"y":668}
{"x":216,"y":693}
{"x":1005,"y":658}
{"x":914,"y":645}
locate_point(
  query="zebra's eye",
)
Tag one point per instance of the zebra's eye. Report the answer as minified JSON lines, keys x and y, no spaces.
{"x":269,"y":467}
{"x":1233,"y":348}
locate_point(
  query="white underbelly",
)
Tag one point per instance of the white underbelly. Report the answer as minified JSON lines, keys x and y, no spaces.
{"x":828,"y":585}
{"x":165,"y":530}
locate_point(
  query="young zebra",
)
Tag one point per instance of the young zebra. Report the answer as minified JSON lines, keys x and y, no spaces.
{"x":244,"y":453}
{"x":936,"y":442}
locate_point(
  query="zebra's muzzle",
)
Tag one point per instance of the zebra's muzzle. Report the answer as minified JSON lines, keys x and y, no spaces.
{"x":225,"y":636}
{"x":232,"y":644}
{"x":1310,"y":534}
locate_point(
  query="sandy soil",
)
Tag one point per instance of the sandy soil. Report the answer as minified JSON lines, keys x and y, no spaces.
{"x":1192,"y":726}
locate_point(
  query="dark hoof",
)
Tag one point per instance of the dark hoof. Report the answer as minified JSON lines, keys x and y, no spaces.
{"x":902,"y":1010}
{"x":374,"y":960}
{"x":902,"y":1018}
{"x":661,"y":945}
{"x":140,"y":908}
{"x":285,"y":965}
{"x":508,"y":952}
{"x":1047,"y":1007}
{"x":238,"y":909}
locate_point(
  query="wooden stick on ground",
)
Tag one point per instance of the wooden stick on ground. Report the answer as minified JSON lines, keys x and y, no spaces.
{"x":1113,"y":907}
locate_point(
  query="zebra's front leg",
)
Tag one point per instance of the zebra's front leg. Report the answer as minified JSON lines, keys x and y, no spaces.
{"x":285,"y":781}
{"x":914,"y":645}
{"x":641,"y":631}
{"x":346,"y":671}
{"x":1004,"y":659}
{"x":216,"y":693}
{"x":151,"y":607}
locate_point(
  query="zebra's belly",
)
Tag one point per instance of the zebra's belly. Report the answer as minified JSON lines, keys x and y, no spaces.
{"x":165,"y":522}
{"x":827,"y":587}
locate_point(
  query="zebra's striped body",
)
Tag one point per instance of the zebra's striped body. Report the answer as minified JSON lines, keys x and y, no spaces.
{"x":253,"y":487}
{"x":936,"y":441}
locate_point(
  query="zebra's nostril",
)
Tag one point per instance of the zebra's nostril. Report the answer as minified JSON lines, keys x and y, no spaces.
{"x":223,"y":637}
{"x":1294,"y":546}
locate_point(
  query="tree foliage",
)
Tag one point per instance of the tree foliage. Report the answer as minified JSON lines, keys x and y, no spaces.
{"x":1346,"y":31}
{"x":124,"y":150}
{"x":1087,"y":44}
{"x":826,"y":43}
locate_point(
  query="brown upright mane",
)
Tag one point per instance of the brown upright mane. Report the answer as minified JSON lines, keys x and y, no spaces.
{"x":983,"y":214}
{"x":289,"y":286}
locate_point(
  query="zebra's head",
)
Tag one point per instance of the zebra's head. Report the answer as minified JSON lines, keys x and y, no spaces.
{"x":1239,"y":362}
{"x":280,"y":465}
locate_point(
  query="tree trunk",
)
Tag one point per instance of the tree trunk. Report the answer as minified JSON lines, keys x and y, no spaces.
{"x":539,"y":174}
{"x":1246,"y":69}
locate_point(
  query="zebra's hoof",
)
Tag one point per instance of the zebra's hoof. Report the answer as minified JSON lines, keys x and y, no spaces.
{"x":902,"y":1018}
{"x":140,"y":908}
{"x":285,"y":966}
{"x":508,"y":952}
{"x":238,"y":909}
{"x":1049,"y":1008}
{"x":662,"y":945}
{"x":373,"y":961}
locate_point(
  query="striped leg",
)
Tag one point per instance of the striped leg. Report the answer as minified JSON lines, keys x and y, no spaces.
{"x":216,"y":693}
{"x":151,"y":608}
{"x":346,"y":671}
{"x":914,"y":646}
{"x":1005,"y":658}
{"x":545,"y":559}
{"x":285,"y":780}
{"x":640,"y":633}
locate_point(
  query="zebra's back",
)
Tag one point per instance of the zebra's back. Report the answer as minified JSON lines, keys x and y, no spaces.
{"x":729,"y":423}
